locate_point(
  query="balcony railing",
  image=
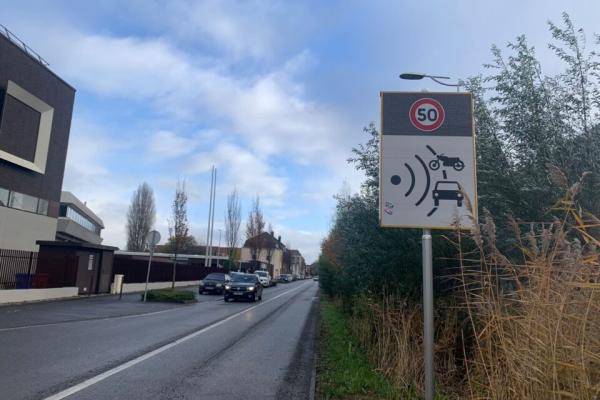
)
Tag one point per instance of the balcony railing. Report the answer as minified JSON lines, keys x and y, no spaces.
{"x":13,"y":38}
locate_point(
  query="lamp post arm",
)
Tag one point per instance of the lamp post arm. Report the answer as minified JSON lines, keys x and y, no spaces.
{"x":456,"y":85}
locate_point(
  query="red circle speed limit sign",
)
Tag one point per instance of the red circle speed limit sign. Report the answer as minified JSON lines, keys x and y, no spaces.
{"x":427,"y":114}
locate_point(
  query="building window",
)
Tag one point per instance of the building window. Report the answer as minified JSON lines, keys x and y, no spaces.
{"x":42,"y":207}
{"x":23,"y":202}
{"x":4,"y":197}
{"x":77,"y":217}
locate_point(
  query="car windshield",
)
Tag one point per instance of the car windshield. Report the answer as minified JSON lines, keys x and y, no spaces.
{"x":243,"y":278}
{"x":447,"y":186}
{"x":215,"y":277}
{"x":261,"y":273}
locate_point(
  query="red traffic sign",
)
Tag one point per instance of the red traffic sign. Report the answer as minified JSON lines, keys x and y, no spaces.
{"x":427,"y":114}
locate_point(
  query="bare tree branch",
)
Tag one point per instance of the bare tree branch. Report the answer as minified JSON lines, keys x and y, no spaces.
{"x":178,"y":223}
{"x":254,"y":230}
{"x":141,"y":216}
{"x":233,"y":220}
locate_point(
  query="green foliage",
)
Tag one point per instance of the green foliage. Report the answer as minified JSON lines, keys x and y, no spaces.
{"x":171,"y":296}
{"x":527,"y":124}
{"x":183,"y":245}
{"x":344,"y":370}
{"x":361,"y":256}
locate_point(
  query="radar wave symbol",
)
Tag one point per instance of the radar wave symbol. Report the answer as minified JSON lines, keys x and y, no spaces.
{"x":396,"y":180}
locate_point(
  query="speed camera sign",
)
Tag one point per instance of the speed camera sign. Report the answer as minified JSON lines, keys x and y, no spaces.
{"x":427,"y":163}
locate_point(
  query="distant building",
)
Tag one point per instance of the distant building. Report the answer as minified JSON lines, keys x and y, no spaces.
{"x":274,"y":256}
{"x":271,"y":255}
{"x":35,"y":119}
{"x":76,"y":222}
{"x":297,"y":263}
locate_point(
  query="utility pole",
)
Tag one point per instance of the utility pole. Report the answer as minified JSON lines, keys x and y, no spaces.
{"x":211,"y":217}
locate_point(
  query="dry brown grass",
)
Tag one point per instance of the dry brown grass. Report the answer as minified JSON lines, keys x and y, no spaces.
{"x":517,"y":330}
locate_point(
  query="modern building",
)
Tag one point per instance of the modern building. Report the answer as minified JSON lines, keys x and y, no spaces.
{"x":35,"y":118}
{"x":76,"y":222}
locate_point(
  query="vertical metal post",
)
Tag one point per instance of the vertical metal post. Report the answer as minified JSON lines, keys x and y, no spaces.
{"x":210,"y":209}
{"x":29,"y":278}
{"x":148,"y":272}
{"x":428,"y":331}
{"x":212,"y":218}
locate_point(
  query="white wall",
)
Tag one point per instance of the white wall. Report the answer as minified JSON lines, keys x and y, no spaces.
{"x":139,"y":287}
{"x":19,"y":230}
{"x":25,"y":295}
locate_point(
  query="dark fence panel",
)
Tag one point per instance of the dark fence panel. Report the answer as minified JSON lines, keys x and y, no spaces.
{"x":17,"y":268}
{"x":135,"y":270}
{"x":56,"y":270}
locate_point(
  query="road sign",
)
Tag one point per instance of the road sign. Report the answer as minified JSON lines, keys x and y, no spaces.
{"x":427,"y":164}
{"x":153,"y":238}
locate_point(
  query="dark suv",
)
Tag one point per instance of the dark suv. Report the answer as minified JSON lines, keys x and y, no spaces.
{"x":243,"y":286}
{"x":214,"y":283}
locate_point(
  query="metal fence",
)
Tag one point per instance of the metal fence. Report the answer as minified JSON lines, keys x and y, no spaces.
{"x":17,"y":269}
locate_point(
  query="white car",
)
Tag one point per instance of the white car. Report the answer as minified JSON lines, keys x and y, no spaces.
{"x":264,"y":278}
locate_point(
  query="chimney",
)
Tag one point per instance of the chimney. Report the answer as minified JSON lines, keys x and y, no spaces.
{"x":279,"y":238}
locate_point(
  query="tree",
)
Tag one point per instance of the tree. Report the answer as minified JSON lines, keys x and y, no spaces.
{"x":254,"y":230}
{"x":233,"y":220}
{"x":140,"y":217}
{"x":178,"y":224}
{"x":187,"y":246}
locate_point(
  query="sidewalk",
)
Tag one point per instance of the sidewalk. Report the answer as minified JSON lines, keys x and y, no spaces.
{"x":82,"y":308}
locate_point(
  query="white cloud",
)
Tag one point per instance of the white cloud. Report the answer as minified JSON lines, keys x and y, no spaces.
{"x":307,"y":242}
{"x":87,"y":175}
{"x":241,"y":168}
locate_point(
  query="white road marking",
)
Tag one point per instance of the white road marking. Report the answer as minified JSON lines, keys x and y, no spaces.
{"x":98,"y":378}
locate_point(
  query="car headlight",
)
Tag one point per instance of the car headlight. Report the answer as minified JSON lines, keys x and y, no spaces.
{"x":201,"y":283}
{"x":219,"y":285}
{"x":227,"y":287}
{"x":251,"y":288}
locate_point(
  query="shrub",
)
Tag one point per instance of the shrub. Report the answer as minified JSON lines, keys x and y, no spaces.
{"x":171,"y":296}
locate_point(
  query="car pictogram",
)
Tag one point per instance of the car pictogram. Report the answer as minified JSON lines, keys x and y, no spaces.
{"x":447,"y":190}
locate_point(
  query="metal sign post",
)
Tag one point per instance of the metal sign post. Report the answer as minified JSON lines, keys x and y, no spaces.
{"x":428,"y":331}
{"x":152,"y":239}
{"x":427,"y":178}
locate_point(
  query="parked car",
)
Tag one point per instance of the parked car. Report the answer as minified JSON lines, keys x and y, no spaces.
{"x":243,"y":286}
{"x":214,"y":283}
{"x":316,"y":278}
{"x":264,"y":278}
{"x":285,"y":278}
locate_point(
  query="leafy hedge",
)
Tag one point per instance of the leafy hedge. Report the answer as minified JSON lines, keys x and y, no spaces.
{"x":171,"y":296}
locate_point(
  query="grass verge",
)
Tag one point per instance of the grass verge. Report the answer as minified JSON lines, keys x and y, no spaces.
{"x":171,"y":296}
{"x":344,"y":371}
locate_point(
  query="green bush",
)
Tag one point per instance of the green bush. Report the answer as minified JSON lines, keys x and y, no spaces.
{"x":171,"y":296}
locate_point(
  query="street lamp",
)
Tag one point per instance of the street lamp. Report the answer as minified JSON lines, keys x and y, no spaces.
{"x":412,"y":76}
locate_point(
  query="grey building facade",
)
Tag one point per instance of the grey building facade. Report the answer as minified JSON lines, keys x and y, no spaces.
{"x":76,"y":222}
{"x":35,"y":118}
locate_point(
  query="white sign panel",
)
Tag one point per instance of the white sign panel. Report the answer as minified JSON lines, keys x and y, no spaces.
{"x":427,"y":163}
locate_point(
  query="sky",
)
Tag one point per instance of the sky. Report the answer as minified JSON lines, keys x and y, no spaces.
{"x":273,"y":93}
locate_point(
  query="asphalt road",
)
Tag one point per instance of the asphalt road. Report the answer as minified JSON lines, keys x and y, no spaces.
{"x":103,"y":348}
